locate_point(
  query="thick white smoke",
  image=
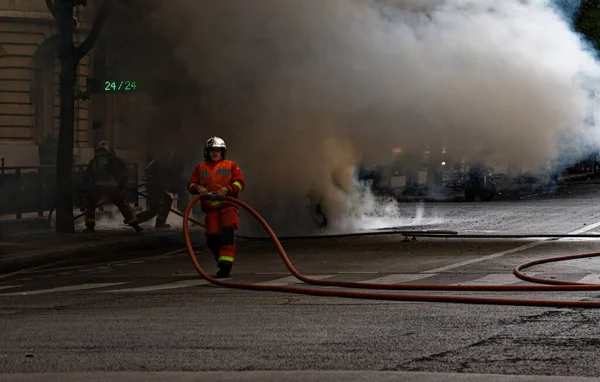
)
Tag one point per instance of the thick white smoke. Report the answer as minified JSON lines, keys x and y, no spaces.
{"x":304,"y":90}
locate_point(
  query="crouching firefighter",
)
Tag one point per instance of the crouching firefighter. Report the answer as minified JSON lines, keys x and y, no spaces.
{"x":221,"y":177}
{"x":105,"y":176}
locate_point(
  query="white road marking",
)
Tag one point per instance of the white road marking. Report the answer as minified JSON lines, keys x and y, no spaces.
{"x":493,"y":279}
{"x":593,"y":278}
{"x":579,"y":239}
{"x":30,"y":269}
{"x":397,"y":278}
{"x":503,"y":253}
{"x":292,"y":280}
{"x":9,"y":286}
{"x":175,"y":285}
{"x":585,"y":229}
{"x":62,"y":289}
{"x":41,"y":269}
{"x":483,"y":258}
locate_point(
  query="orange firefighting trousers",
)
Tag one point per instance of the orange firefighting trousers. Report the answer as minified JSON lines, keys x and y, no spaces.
{"x":221,"y":225}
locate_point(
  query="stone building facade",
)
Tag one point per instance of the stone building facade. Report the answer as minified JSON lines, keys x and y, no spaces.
{"x":29,"y":98}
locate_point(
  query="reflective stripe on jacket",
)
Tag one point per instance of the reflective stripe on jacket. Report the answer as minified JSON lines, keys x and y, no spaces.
{"x":215,"y":175}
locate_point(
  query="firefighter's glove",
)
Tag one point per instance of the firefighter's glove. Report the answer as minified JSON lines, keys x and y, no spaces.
{"x":203,"y":192}
{"x":222,"y":193}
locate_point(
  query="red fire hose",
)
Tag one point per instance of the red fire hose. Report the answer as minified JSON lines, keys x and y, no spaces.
{"x":564,"y":285}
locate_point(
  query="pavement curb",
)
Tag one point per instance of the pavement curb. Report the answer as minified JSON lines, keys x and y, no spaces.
{"x":112,"y":248}
{"x":11,"y":226}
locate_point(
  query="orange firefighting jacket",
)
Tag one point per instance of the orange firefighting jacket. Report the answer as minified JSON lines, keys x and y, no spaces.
{"x":215,"y":175}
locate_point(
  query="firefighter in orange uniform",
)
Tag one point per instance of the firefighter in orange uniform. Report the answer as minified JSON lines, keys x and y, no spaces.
{"x":223,"y":178}
{"x":105,"y":176}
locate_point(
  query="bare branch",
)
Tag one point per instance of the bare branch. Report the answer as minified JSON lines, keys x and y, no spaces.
{"x":94,"y":34}
{"x":52,"y":8}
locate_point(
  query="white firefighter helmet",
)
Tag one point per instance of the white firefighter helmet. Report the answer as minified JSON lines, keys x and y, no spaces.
{"x":212,"y":143}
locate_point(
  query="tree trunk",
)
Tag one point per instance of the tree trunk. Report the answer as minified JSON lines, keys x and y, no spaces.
{"x":69,"y":56}
{"x":99,"y":100}
{"x":64,"y":165}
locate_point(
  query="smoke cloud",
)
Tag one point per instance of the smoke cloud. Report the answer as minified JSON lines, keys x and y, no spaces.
{"x":302,"y":91}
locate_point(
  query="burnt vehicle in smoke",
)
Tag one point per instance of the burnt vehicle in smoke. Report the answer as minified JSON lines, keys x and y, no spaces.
{"x":479,"y":183}
{"x":374,"y":178}
{"x":316,"y":210}
{"x":458,"y":177}
{"x":464,"y":180}
{"x":369,"y":178}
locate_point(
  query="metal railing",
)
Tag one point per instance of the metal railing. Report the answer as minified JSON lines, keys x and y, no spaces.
{"x":29,"y":189}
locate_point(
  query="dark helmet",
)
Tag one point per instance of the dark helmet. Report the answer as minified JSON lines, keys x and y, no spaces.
{"x":105,"y":146}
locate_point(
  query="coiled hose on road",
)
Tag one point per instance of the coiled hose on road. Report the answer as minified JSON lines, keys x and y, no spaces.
{"x":564,"y":285}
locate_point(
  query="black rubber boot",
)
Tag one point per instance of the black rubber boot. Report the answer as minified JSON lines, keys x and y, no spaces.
{"x":214,"y":244}
{"x":137,"y":227}
{"x":224,"y":270}
{"x":89,"y":228}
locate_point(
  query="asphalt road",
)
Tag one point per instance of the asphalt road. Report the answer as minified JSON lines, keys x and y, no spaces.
{"x":150,"y":312}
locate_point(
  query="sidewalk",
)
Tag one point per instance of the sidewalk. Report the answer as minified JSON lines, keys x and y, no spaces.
{"x":32,"y":222}
{"x":10,"y":225}
{"x":29,"y":250}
